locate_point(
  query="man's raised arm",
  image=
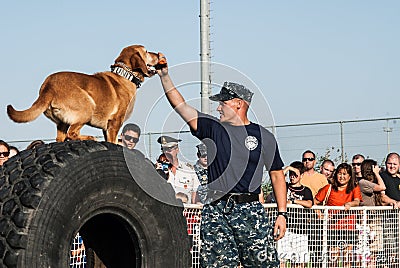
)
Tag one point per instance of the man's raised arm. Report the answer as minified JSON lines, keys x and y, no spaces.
{"x":175,"y":98}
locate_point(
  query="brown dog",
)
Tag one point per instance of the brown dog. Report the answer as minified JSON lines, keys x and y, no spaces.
{"x":102,"y":100}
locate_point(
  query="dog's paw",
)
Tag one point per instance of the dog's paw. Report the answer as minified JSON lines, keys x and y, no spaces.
{"x":91,"y":138}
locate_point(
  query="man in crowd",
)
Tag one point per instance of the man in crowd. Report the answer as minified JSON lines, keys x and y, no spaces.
{"x":327,"y":168}
{"x":201,"y":171}
{"x":181,"y":175}
{"x":391,"y":178}
{"x":356,"y":162}
{"x":391,"y":196}
{"x":130,"y":135}
{"x":311,"y":178}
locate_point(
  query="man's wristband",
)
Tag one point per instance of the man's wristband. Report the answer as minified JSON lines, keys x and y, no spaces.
{"x":284,"y":214}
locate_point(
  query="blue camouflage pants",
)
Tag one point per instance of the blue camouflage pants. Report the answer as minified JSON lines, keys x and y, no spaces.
{"x":233,"y":233}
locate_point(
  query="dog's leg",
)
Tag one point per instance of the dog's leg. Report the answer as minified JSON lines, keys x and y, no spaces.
{"x":111,"y":133}
{"x":74,"y":133}
{"x":62,"y":129}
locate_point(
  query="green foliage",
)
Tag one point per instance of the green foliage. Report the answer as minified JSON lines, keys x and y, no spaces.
{"x":333,"y":154}
{"x":266,"y":187}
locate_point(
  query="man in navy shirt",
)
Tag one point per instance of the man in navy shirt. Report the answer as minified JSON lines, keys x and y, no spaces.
{"x":391,"y":178}
{"x":234,"y":226}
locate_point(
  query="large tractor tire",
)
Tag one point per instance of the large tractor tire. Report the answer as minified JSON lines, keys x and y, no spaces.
{"x":125,"y":212}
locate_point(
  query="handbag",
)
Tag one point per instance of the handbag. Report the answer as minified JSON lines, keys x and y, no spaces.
{"x":318,"y":212}
{"x":327,"y":195}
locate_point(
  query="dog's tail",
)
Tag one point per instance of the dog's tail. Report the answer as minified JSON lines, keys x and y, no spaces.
{"x":30,"y":114}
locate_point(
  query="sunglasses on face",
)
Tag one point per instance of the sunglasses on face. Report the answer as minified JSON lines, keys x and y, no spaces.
{"x":130,"y":138}
{"x":5,"y":154}
{"x":310,"y":159}
{"x":356,"y":164}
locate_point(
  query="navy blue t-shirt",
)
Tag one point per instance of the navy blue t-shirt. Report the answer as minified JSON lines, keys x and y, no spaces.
{"x":237,"y":155}
{"x":392,"y":185}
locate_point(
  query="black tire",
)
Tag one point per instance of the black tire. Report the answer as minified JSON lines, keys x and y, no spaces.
{"x":125,"y":212}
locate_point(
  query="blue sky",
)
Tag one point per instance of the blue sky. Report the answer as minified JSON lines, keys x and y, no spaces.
{"x":311,"y":60}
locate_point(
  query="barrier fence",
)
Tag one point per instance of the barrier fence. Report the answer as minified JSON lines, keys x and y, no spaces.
{"x":316,"y":237}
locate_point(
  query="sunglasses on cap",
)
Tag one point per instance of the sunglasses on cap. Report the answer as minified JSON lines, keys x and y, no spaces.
{"x":5,"y":154}
{"x":310,"y":159}
{"x":130,"y":138}
{"x":356,"y":164}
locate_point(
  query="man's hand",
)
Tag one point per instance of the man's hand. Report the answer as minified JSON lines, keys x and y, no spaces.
{"x":290,"y":168}
{"x":279,"y":228}
{"x":162,"y":66}
{"x":376,"y":169}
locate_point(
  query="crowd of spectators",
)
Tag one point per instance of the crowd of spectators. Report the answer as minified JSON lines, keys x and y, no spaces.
{"x":366,"y":183}
{"x":361,"y":183}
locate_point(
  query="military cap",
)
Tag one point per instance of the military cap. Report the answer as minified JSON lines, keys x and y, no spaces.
{"x":201,"y":149}
{"x":167,"y":141}
{"x":231,"y":90}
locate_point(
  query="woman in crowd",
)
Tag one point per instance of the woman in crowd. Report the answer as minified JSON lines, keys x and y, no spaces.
{"x":4,"y":152}
{"x":342,"y":192}
{"x":371,"y":183}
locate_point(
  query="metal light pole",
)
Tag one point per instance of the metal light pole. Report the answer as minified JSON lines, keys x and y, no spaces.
{"x":205,"y":55}
{"x":342,"y":141}
{"x":388,"y":130}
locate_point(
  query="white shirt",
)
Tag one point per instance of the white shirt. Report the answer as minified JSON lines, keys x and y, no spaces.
{"x":185,"y":179}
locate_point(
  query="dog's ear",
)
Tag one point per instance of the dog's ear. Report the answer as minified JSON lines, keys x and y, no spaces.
{"x":137,"y":62}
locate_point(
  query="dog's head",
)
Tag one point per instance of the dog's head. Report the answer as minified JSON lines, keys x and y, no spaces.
{"x":140,"y":61}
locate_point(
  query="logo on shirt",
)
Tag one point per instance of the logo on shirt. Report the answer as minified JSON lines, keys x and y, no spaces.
{"x":251,"y":142}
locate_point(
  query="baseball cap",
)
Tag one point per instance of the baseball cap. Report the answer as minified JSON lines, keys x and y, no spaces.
{"x":202,"y":149}
{"x":231,"y":90}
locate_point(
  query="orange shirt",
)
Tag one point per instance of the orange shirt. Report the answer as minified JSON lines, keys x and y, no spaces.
{"x":338,"y":198}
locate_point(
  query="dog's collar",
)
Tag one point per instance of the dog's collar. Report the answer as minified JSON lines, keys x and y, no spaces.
{"x":123,"y":70}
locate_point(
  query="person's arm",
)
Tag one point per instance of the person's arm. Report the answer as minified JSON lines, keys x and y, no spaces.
{"x":317,"y":202}
{"x":357,"y":197}
{"x":279,"y":186}
{"x":386,"y":200}
{"x":290,"y":168}
{"x":175,"y":98}
{"x":261,"y":197}
{"x":380,"y":186}
{"x":354,"y":203}
{"x":304,"y":203}
{"x":193,"y":198}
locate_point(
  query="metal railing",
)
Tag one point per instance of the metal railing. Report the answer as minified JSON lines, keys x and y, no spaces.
{"x":327,"y":236}
{"x":316,"y":237}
